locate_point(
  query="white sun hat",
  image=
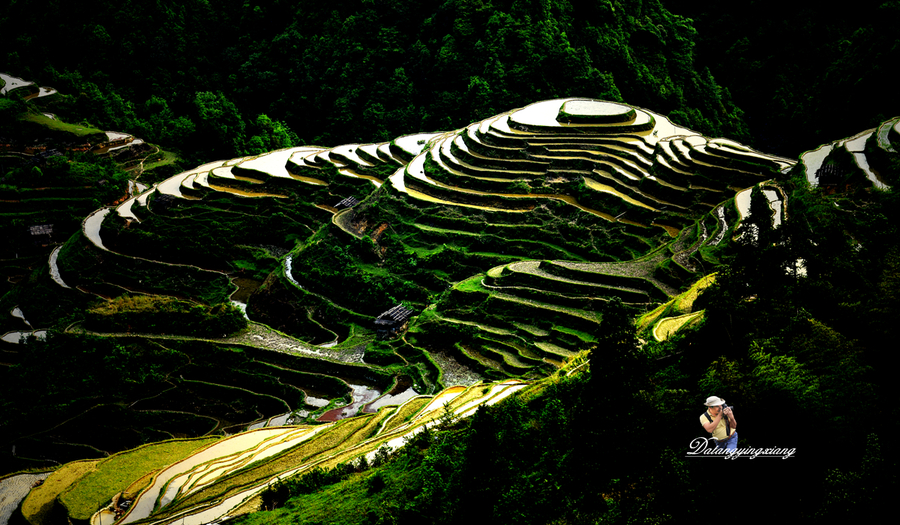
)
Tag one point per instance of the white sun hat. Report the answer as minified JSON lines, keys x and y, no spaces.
{"x":713,"y":401}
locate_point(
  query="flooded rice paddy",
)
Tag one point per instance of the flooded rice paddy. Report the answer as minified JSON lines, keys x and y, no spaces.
{"x":261,"y":336}
{"x":545,"y":113}
{"x":857,"y":143}
{"x":349,"y":151}
{"x":883,"y":135}
{"x":414,"y":144}
{"x":775,"y":202}
{"x":54,"y":270}
{"x":212,"y":462}
{"x":17,"y":312}
{"x":16,"y":337}
{"x":92,"y":227}
{"x":593,"y":108}
{"x":275,"y":421}
{"x":13,"y":490}
{"x":287,"y":271}
{"x":863,"y":163}
{"x":361,"y":395}
{"x":124,"y":210}
{"x":13,"y":83}
{"x":389,"y":400}
{"x":317,"y":402}
{"x":273,"y":163}
{"x":742,"y":201}
{"x":812,"y":161}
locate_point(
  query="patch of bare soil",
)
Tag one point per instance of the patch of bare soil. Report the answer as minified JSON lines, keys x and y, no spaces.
{"x":454,"y":372}
{"x":263,"y":337}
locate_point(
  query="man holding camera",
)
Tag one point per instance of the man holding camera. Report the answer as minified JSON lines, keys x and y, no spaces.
{"x":719,"y":421}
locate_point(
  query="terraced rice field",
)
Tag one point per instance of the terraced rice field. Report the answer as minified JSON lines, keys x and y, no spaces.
{"x":814,"y":161}
{"x":11,"y":83}
{"x":116,"y":473}
{"x":504,"y":238}
{"x":210,"y":483}
{"x":669,"y":325}
{"x":774,"y":196}
{"x":13,"y":490}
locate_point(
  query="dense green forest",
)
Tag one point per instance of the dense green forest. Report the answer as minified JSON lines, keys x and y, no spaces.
{"x":799,"y":72}
{"x":796,"y":330}
{"x":236,"y":78}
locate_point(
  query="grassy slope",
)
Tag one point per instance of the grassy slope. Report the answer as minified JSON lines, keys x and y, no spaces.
{"x":116,"y":473}
{"x":40,"y":506}
{"x":58,"y":125}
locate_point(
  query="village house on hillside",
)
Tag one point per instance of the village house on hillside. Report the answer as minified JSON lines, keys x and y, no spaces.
{"x":392,"y":322}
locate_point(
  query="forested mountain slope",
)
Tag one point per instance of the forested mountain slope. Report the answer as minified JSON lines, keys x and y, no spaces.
{"x":196,"y":76}
{"x":803,"y":75}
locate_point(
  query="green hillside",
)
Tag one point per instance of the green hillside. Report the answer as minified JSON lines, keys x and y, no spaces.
{"x":472,"y":261}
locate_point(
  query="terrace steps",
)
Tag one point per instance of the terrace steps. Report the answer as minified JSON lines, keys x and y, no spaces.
{"x":630,"y":159}
{"x":446,"y":193}
{"x":629,"y":191}
{"x":704,"y":158}
{"x":542,"y":117}
{"x":560,"y":295}
{"x":231,"y":490}
{"x":384,"y":153}
{"x":672,"y":155}
{"x":460,"y":150}
{"x":632,"y":171}
{"x":445,"y":153}
{"x":486,"y":140}
{"x":667,"y":326}
{"x":884,"y":134}
{"x":509,"y":356}
{"x":856,"y":147}
{"x":734,"y":150}
{"x":537,"y":271}
{"x":348,"y":155}
{"x":814,"y":161}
